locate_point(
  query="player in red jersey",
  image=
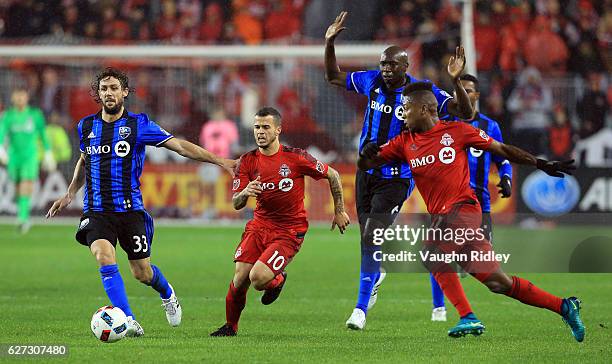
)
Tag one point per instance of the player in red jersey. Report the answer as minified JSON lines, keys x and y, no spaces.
{"x":436,"y":152}
{"x":274,"y":175}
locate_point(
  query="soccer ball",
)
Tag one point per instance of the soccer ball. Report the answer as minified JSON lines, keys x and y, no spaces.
{"x":109,"y":324}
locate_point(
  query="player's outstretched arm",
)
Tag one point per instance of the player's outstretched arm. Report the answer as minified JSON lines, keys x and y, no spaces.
{"x":253,"y":189}
{"x":78,"y":180}
{"x":341,"y":218}
{"x":197,"y":153}
{"x":333,"y":74}
{"x":459,"y":106}
{"x":368,"y":158}
{"x":520,"y":156}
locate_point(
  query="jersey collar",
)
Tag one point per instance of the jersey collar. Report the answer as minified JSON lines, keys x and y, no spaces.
{"x":123,"y":116}
{"x":399,"y":90}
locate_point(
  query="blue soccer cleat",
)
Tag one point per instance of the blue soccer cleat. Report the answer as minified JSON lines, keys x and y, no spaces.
{"x":572,"y":317}
{"x":468,"y":325}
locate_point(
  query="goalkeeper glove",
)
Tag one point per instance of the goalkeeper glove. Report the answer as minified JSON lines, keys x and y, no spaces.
{"x":3,"y":156}
{"x":505,"y":186}
{"x":48,"y":162}
{"x":554,"y":168}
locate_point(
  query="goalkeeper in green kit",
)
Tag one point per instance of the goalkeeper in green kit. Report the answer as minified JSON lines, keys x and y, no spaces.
{"x":22,"y":126}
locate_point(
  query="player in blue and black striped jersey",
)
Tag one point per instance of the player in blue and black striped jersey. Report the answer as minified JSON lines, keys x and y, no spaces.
{"x":112,"y":144}
{"x":479,"y":163}
{"x":381,"y":192}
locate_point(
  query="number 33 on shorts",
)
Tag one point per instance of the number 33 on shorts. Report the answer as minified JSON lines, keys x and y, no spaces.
{"x":140,"y":243}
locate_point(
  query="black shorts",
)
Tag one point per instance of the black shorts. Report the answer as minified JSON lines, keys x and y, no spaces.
{"x":380,"y":197}
{"x":133,"y":230}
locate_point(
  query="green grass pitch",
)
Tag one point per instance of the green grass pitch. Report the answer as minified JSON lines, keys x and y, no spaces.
{"x":51,"y":287}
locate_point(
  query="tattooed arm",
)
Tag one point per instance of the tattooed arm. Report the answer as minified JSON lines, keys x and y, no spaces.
{"x":341,"y":218}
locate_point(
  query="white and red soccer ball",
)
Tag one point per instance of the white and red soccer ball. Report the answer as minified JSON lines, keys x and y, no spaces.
{"x":109,"y":324}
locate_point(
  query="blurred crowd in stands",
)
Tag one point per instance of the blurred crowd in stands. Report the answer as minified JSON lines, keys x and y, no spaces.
{"x":544,"y":65}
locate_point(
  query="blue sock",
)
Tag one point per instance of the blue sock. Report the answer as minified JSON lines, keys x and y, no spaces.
{"x":436,"y":292}
{"x":159,"y":283}
{"x":370,"y":271}
{"x":115,"y":290}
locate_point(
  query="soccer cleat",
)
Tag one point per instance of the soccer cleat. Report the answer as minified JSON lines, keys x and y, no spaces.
{"x":467,"y":326}
{"x":225,"y":330}
{"x":357,"y":320}
{"x":572,"y":317}
{"x":374,"y":296}
{"x":133,"y":328}
{"x":438,"y":314}
{"x":24,"y":227}
{"x":173,"y":309}
{"x":270,"y":295}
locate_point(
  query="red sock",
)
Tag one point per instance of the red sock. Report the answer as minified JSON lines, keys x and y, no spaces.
{"x":234,"y":304}
{"x":449,"y":282}
{"x":529,"y":294}
{"x":275,"y":282}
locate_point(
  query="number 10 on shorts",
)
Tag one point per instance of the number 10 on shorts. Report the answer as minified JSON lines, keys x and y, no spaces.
{"x":277,"y":261}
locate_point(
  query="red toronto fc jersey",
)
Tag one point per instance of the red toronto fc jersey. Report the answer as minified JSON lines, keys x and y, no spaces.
{"x":438,"y":161}
{"x":282,"y":177}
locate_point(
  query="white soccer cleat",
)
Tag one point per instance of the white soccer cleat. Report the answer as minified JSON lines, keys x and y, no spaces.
{"x":173,"y":309}
{"x":133,"y":328}
{"x":374,"y":296}
{"x":357,"y":320}
{"x":438,"y":314}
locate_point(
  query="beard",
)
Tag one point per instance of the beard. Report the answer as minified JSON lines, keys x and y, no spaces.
{"x":113,"y":110}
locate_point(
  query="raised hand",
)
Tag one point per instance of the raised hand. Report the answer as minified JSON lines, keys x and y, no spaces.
{"x":456,"y":63}
{"x":336,"y":27}
{"x":556,"y":168}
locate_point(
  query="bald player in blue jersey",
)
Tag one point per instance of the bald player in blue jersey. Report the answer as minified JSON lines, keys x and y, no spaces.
{"x":112,"y":144}
{"x":381,"y":192}
{"x":479,"y":162}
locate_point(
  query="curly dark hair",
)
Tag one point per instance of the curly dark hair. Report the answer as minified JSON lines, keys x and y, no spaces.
{"x":109,"y":72}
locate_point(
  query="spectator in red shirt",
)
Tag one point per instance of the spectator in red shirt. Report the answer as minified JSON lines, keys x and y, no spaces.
{"x":283,"y":21}
{"x":212,"y":23}
{"x":114,"y":29}
{"x":487,"y":42}
{"x":560,"y":135}
{"x":544,"y":49}
{"x":167,"y":25}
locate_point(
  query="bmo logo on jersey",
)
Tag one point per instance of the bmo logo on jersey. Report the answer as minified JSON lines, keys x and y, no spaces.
{"x":285,"y":184}
{"x":388,"y":109}
{"x":423,"y":161}
{"x":447,"y":155}
{"x":266,"y":186}
{"x":98,"y":149}
{"x":122,"y":148}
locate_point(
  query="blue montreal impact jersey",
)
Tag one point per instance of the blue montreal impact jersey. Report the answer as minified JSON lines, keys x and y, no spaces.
{"x":480,"y":161}
{"x":114,"y":157}
{"x":384,"y":114}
